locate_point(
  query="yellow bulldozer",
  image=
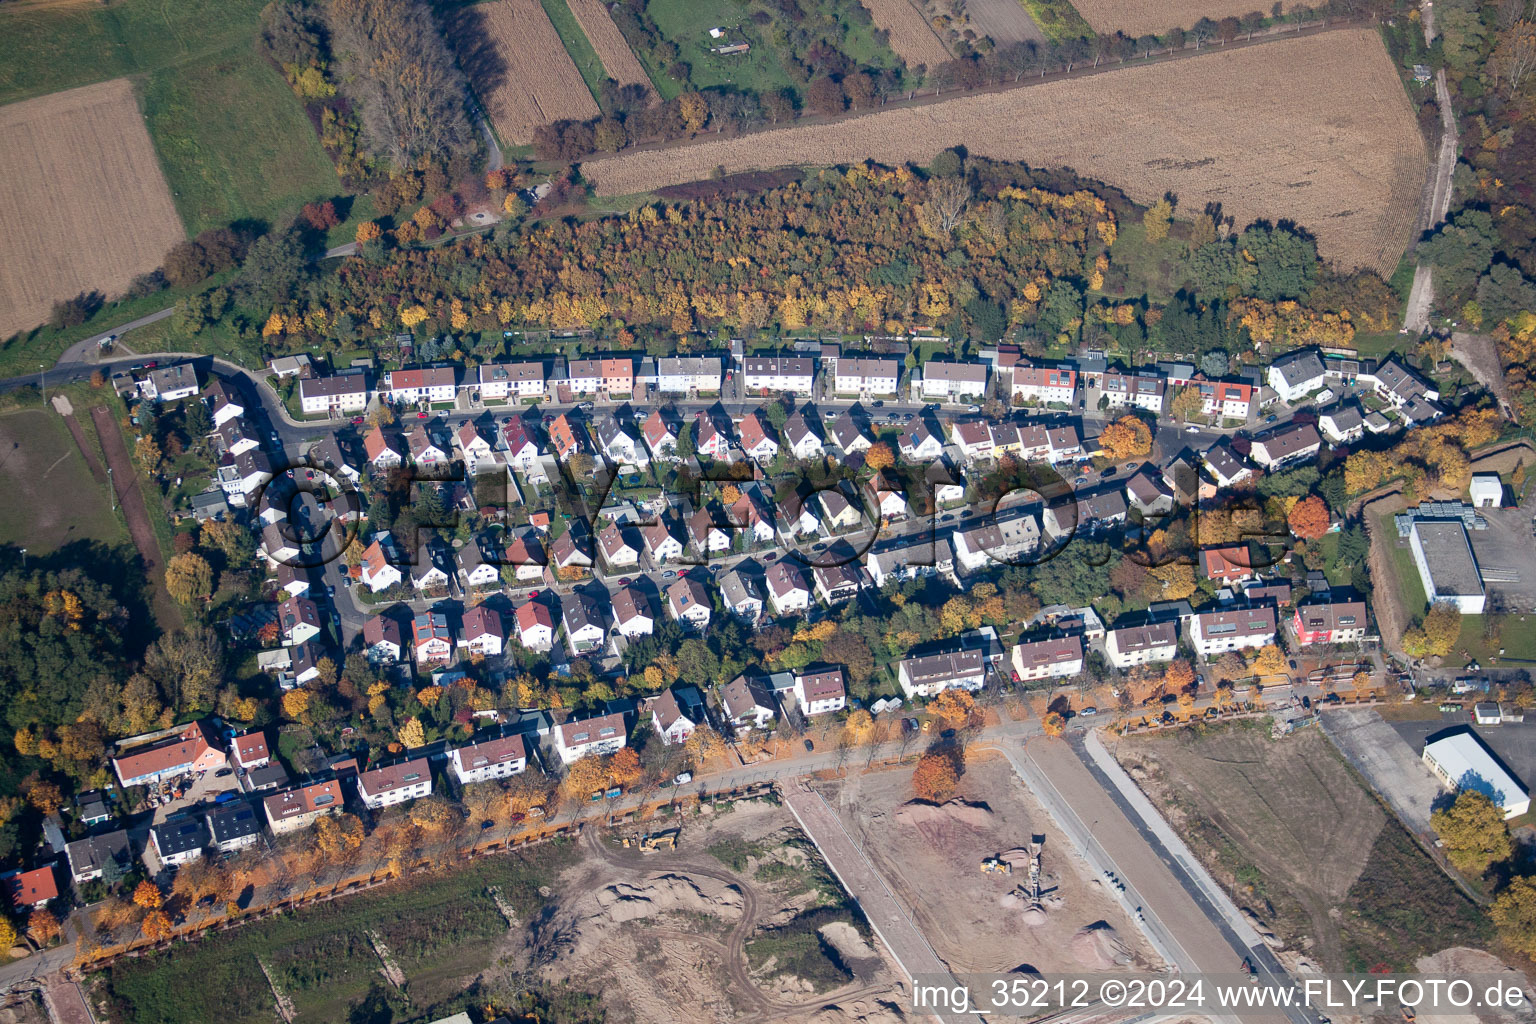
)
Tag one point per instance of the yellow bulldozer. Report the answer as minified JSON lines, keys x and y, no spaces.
{"x":653,"y":841}
{"x":996,"y":866}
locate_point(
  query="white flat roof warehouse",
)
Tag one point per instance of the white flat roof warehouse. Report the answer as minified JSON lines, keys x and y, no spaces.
{"x":1462,"y":762}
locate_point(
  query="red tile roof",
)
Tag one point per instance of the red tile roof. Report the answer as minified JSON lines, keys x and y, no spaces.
{"x":30,"y":888}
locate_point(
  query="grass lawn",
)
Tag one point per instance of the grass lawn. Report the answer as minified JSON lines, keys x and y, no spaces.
{"x":577,"y":45}
{"x":1378,"y":344}
{"x":1058,"y":19}
{"x":1516,"y":638}
{"x":234,"y":140}
{"x":686,"y":23}
{"x":49,"y":497}
{"x":1415,"y":601}
{"x":47,"y":49}
{"x":1153,"y":270}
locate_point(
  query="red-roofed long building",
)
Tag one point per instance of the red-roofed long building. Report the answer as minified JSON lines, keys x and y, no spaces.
{"x":190,"y":751}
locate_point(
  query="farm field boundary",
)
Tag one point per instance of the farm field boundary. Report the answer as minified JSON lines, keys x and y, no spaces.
{"x":608,"y":42}
{"x":1312,"y":128}
{"x":911,"y":36}
{"x":520,"y":68}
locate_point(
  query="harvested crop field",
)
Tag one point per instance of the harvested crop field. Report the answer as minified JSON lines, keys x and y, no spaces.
{"x":1005,"y":21}
{"x":84,"y":206}
{"x":912,"y":37}
{"x":1143,"y":17}
{"x":618,"y":59}
{"x":1298,"y":840}
{"x":1314,"y":129}
{"x":527,"y":78}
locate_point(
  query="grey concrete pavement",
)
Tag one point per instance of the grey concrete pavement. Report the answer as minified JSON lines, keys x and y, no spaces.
{"x":1389,"y":764}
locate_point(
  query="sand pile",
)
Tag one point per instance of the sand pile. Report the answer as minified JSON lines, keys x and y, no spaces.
{"x":938,"y":823}
{"x":845,"y":938}
{"x":665,"y":893}
{"x":1098,"y":947}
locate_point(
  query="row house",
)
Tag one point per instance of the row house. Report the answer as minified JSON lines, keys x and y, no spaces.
{"x":866,"y":375}
{"x":1134,"y":390}
{"x":597,"y":737}
{"x":931,"y":674}
{"x":1146,"y":644}
{"x":1035,"y":442}
{"x":295,"y":809}
{"x":1294,"y":442}
{"x":973,"y":438}
{"x":1011,"y":537}
{"x":1043,"y":385}
{"x":954,"y":382}
{"x":489,"y":759}
{"x":613,"y":376}
{"x":512,"y":382}
{"x":792,"y":374}
{"x":1089,"y":514}
{"x":395,"y":784}
{"x":342,"y":395}
{"x":432,"y":385}
{"x":1231,"y":629}
{"x":822,"y":692}
{"x":681,"y":375}
{"x":1052,"y":658}
{"x":1332,"y":622}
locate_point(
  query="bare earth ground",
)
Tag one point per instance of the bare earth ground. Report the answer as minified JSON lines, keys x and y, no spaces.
{"x":1141,"y":17}
{"x":933,"y":867}
{"x":539,"y":83}
{"x":618,"y":60}
{"x":1287,"y":816}
{"x":48,"y":495}
{"x":663,"y":936}
{"x":912,"y":38}
{"x":1478,"y":353}
{"x":84,"y":206}
{"x":1315,"y":130}
{"x":131,"y":500}
{"x":1006,"y":21}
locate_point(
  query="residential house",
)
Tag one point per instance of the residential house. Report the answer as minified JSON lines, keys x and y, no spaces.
{"x":613,"y":376}
{"x":395,"y":783}
{"x":233,"y":826}
{"x":1009,"y":537}
{"x":710,"y":440}
{"x":224,"y":402}
{"x":527,"y":558}
{"x":431,"y":638}
{"x":1231,"y":629}
{"x":920,"y":441}
{"x":424,"y":451}
{"x":796,"y":517}
{"x":305,"y":665}
{"x":800,"y":435}
{"x":929,"y":675}
{"x":1231,"y":400}
{"x":107,"y":855}
{"x":189,"y":752}
{"x":681,"y":375}
{"x":669,"y":721}
{"x":235,"y":438}
{"x":1296,"y":374}
{"x":741,"y":596}
{"x":336,"y":458}
{"x":1227,"y":565}
{"x":1141,"y":645}
{"x":911,"y":557}
{"x":483,"y":633}
{"x":565,"y":437}
{"x":242,"y":475}
{"x":382,"y":641}
{"x":522,"y":452}
{"x":946,"y":485}
{"x":473,"y":569}
{"x":767,"y":374}
{"x":821,"y":692}
{"x":381,"y":452}
{"x":1089,"y":514}
{"x":632,"y":616}
{"x":748,"y":514}
{"x":1404,"y":390}
{"x":1329,"y":622}
{"x":475,"y":450}
{"x":489,"y":759}
{"x":838,"y":511}
{"x":837,"y":583}
{"x":1225,"y":467}
{"x":973,"y":438}
{"x":756,"y":442}
{"x":1133,"y":390}
{"x":289,"y":366}
{"x":868,"y":376}
{"x":586,"y":627}
{"x":705,"y":536}
{"x":27,"y":890}
{"x":427,"y":572}
{"x":433,"y":385}
{"x":1342,"y":423}
{"x":747,"y":703}
{"x":1034,"y":442}
{"x":1291,"y":443}
{"x":296,"y":809}
{"x":343,"y":395}
{"x":278,"y":545}
{"x":249,"y":750}
{"x":535,"y":626}
{"x":570,"y":552}
{"x":511,"y":382}
{"x":954,"y":382}
{"x":378,"y":572}
{"x":1051,"y":658}
{"x":660,"y":543}
{"x":1043,"y":385}
{"x":660,"y":437}
{"x":617,"y":552}
{"x":298,"y":620}
{"x":688,"y":602}
{"x":170,"y":383}
{"x":617,"y":444}
{"x":596,"y":736}
{"x":787,"y":589}
{"x":1147,"y":493}
{"x":849,"y":435}
{"x":177,"y":842}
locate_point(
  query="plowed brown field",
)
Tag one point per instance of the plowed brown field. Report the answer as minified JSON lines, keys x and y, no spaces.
{"x":912,"y":37}
{"x":1141,"y":17}
{"x":539,"y":82}
{"x":618,"y":59}
{"x":1313,"y":129}
{"x":83,"y":205}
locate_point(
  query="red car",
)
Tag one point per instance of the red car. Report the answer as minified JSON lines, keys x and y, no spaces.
{"x":626,"y":581}
{"x":357,"y":421}
{"x":421,"y":415}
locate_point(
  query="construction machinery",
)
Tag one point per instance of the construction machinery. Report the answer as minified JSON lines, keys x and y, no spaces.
{"x":996,"y":866}
{"x":653,"y":841}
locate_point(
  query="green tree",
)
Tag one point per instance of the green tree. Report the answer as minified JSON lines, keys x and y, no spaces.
{"x":1514,"y":914}
{"x":1473,"y":832}
{"x":1156,"y":220}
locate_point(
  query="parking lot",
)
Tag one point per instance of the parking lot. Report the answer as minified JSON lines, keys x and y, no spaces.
{"x":1514,"y":743}
{"x":202,"y":789}
{"x":1506,"y":557}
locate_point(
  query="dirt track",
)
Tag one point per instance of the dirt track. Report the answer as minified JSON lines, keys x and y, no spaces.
{"x":130,"y":499}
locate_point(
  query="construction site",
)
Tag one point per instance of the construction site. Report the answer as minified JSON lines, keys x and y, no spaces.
{"x":986,"y":876}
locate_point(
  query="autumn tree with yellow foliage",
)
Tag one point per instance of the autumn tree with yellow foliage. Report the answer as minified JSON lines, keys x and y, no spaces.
{"x":1128,"y":437}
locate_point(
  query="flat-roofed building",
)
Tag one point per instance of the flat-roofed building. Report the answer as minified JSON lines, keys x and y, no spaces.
{"x":1443,"y":555}
{"x":1461,"y":762}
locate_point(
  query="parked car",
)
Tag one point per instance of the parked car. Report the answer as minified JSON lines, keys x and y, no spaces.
{"x":1191,"y":430}
{"x":1088,"y":711}
{"x":809,"y":745}
{"x":357,"y":421}
{"x":625,"y":581}
{"x":421,"y":415}
{"x":878,"y":405}
{"x":668,"y":574}
{"x":223,"y":773}
{"x":683,"y":778}
{"x":973,"y":408}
